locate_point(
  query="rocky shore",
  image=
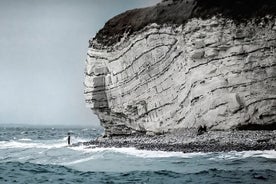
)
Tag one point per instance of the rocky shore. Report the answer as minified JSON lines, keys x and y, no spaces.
{"x":188,"y":141}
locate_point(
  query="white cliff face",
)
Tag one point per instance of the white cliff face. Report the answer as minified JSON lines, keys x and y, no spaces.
{"x":207,"y":72}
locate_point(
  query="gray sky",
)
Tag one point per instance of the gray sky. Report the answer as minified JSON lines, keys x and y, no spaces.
{"x":43,"y":45}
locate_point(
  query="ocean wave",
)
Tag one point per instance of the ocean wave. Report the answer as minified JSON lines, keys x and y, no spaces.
{"x":46,"y":144}
{"x":25,"y":139}
{"x":138,"y":153}
{"x":233,"y":155}
{"x":27,"y":144}
{"x":48,"y":173}
{"x":271,"y":154}
{"x":78,"y":161}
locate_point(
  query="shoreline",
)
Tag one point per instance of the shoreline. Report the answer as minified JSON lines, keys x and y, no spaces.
{"x":188,"y":141}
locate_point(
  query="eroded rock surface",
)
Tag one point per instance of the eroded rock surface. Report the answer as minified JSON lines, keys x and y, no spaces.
{"x":161,"y":77}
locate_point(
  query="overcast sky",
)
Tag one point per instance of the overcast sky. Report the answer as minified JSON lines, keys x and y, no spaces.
{"x":43,"y":45}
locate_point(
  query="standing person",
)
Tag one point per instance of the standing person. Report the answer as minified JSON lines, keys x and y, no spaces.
{"x":69,"y":138}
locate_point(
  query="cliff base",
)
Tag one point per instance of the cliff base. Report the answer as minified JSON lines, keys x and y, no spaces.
{"x":188,"y":141}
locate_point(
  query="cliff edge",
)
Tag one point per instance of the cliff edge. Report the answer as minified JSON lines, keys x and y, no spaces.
{"x":185,"y":63}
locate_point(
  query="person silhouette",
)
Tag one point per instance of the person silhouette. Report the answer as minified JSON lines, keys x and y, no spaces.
{"x":69,"y":138}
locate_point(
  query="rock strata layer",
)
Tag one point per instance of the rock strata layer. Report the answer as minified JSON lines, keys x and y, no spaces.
{"x":206,"y":69}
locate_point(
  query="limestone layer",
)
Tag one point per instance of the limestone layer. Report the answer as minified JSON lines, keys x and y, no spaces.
{"x":214,"y":72}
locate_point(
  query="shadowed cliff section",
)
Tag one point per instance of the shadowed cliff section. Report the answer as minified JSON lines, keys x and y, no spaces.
{"x":178,"y":12}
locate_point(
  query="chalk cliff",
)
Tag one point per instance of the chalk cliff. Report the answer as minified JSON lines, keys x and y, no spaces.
{"x":185,"y":63}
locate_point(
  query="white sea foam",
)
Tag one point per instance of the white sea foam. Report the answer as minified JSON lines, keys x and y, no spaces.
{"x":137,"y":153}
{"x":28,"y":144}
{"x":46,"y":144}
{"x":25,"y":139}
{"x":79,"y":140}
{"x":265,"y":154}
{"x":153,"y":154}
{"x":233,"y":155}
{"x":79,"y":161}
{"x":75,"y":139}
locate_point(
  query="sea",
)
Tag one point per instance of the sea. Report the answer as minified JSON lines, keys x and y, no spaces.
{"x":38,"y":155}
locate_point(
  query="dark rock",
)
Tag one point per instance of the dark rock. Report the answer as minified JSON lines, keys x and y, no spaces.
{"x":201,"y":129}
{"x":178,"y":12}
{"x":271,"y":126}
{"x":259,"y":177}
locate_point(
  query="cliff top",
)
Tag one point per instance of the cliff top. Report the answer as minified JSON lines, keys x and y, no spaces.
{"x":178,"y":12}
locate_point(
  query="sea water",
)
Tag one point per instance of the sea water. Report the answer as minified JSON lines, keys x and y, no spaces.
{"x":41,"y":155}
